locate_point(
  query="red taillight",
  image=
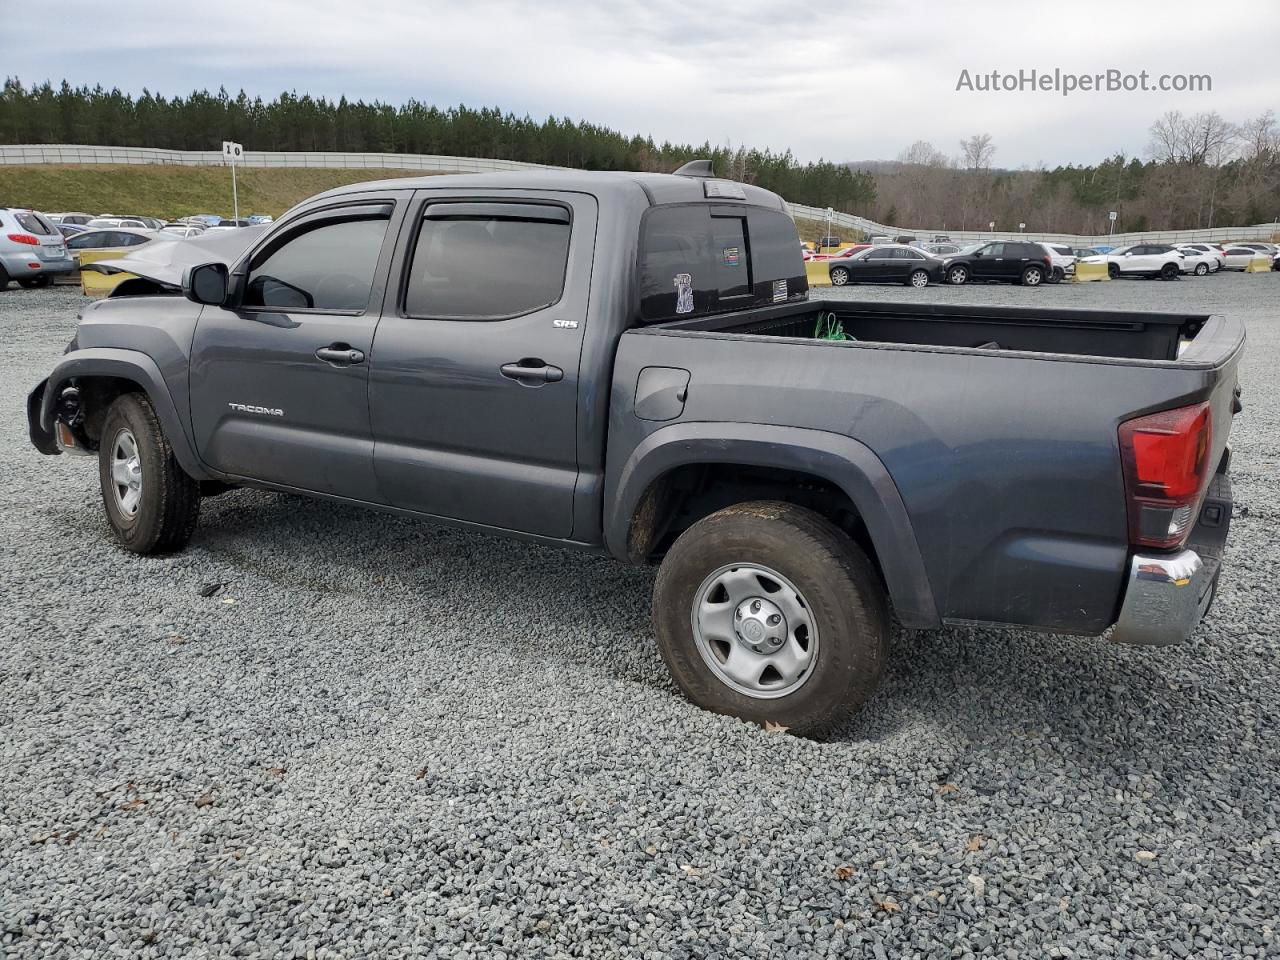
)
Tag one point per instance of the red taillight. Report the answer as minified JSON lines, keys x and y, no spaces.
{"x":1048,"y":260}
{"x":24,"y":238}
{"x":1166,"y":466}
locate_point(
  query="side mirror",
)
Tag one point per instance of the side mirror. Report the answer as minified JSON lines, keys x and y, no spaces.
{"x":207,"y":284}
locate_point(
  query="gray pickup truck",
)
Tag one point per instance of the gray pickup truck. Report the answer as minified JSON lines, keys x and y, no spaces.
{"x":631,"y":364}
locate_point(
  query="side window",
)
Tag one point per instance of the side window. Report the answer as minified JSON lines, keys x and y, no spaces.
{"x":993,"y":250}
{"x":34,"y":223}
{"x":487,"y":261}
{"x":129,"y":239}
{"x":328,"y":264}
{"x":880,"y":255}
{"x":85,"y":241}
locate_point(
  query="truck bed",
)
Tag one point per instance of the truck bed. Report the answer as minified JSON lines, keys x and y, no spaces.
{"x":1092,"y":333}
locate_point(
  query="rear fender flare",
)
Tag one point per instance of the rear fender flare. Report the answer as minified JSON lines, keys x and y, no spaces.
{"x":142,"y":370}
{"x":840,"y":460}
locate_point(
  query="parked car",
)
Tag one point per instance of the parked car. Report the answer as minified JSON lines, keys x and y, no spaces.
{"x":1212,"y":249}
{"x":32,"y":250}
{"x":78,"y":219}
{"x":257,"y":218}
{"x":887,"y":264}
{"x":1150,"y":260}
{"x":1267,"y":248}
{"x":905,"y":240}
{"x":942,"y":238}
{"x":1004,"y":261}
{"x":940,"y":249}
{"x":1081,"y":252}
{"x":231,"y":224}
{"x":1062,"y":261}
{"x":1199,"y":262}
{"x":843,"y":253}
{"x":70,"y":229}
{"x":657,"y":386}
{"x":877,"y":239}
{"x":1237,"y":258}
{"x":830,"y":241}
{"x":183,"y":229}
{"x":131,"y":222}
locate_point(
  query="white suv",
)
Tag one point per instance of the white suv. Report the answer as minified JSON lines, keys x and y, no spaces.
{"x":32,"y":250}
{"x":1063,"y":261}
{"x":1142,"y":260}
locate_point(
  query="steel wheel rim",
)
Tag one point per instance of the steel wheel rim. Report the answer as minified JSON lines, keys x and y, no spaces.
{"x":754,"y":631}
{"x":126,"y":473}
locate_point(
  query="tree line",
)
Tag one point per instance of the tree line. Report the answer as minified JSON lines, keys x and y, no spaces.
{"x":1199,"y":171}
{"x":201,"y":121}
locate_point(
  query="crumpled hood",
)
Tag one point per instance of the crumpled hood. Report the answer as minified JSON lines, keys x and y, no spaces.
{"x":165,"y":259}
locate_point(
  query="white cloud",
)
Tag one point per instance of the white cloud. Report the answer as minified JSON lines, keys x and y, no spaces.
{"x":839,"y":79}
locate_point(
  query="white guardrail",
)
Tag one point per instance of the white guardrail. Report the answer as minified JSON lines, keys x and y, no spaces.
{"x":54,"y":153}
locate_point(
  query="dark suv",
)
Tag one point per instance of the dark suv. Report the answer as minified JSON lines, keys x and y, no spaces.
{"x":1007,"y":261}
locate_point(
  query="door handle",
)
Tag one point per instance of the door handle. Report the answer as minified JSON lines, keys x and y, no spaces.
{"x":340,"y":354}
{"x":532,"y":372}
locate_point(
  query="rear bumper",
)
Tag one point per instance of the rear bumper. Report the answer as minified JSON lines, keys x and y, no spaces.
{"x":18,"y":264}
{"x":1168,"y":594}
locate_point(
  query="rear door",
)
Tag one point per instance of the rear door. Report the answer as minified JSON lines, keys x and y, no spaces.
{"x":473,"y":389}
{"x":280,"y":381}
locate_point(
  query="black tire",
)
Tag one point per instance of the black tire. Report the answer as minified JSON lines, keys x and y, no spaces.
{"x":4,"y":278}
{"x":1057,"y":275}
{"x":918,"y":279}
{"x":839,"y":588}
{"x":958,"y":275}
{"x":1032,"y":277}
{"x":1169,"y":271}
{"x":168,"y":505}
{"x":1201,"y":269}
{"x":1113,"y":271}
{"x":839,"y":276}
{"x":32,"y":282}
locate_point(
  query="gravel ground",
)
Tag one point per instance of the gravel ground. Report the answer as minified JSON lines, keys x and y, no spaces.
{"x":386,"y":739}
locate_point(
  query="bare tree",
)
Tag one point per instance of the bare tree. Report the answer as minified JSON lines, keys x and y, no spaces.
{"x":922,"y":153}
{"x":977,"y":151}
{"x":1167,"y":137}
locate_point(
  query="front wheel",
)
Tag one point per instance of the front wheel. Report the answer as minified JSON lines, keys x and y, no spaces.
{"x":839,"y":276}
{"x":918,"y":278}
{"x":958,"y":275}
{"x":1033,"y":276}
{"x":1113,"y":271}
{"x":1169,"y":271}
{"x":769,"y":612}
{"x":151,"y":503}
{"x":1058,"y":275}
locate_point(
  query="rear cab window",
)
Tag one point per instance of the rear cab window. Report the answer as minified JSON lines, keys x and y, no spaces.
{"x":34,"y":223}
{"x":700,"y":258}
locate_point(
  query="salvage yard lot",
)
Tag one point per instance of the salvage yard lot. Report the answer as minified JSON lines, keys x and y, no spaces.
{"x":388,"y":738}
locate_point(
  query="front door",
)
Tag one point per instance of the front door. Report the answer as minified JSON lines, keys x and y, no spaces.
{"x":279,"y":377}
{"x":473,"y":388}
{"x":990,"y":264}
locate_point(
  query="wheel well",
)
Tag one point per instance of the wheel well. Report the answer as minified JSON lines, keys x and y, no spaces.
{"x":683,"y":496}
{"x":96,"y":396}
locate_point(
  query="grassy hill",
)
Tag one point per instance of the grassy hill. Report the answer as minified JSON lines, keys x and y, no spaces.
{"x":174,"y":191}
{"x":169,"y":191}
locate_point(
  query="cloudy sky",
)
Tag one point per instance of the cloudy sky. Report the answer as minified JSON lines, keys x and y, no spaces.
{"x":842,"y":80}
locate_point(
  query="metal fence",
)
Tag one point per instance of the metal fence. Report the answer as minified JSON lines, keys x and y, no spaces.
{"x":83,"y":154}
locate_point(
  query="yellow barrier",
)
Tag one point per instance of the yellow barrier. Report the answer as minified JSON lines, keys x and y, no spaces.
{"x":1259,"y":265}
{"x":818,"y":273}
{"x":1088,"y":272}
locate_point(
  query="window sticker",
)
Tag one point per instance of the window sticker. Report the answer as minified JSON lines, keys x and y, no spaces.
{"x":684,"y":292}
{"x":779,"y":291}
{"x":731,"y":256}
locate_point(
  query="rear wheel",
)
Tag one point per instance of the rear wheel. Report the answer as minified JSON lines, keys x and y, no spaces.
{"x":4,"y":277}
{"x":1033,"y":276}
{"x":32,"y":282}
{"x":1201,"y":269}
{"x":1169,"y":271}
{"x":958,"y":274}
{"x":151,"y":503}
{"x":839,"y":276}
{"x":919,"y":278}
{"x":1113,"y":271}
{"x":769,"y":612}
